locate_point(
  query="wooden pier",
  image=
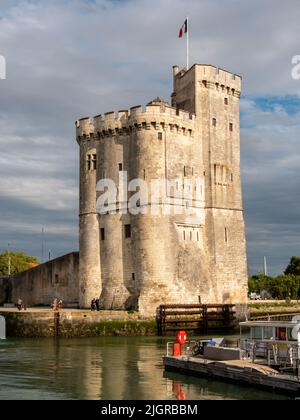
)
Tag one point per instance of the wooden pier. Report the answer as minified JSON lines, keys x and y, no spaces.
{"x":237,"y":372}
{"x":195,"y":317}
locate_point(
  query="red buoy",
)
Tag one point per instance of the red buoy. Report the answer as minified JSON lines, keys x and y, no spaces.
{"x":181,"y":337}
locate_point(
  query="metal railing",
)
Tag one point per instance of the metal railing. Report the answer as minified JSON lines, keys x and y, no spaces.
{"x":282,"y":354}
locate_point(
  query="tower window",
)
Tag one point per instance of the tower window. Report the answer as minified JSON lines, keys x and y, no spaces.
{"x":198,"y":236}
{"x":184,"y":235}
{"x":214,"y":122}
{"x":94,"y":162}
{"x":133,"y":277}
{"x":127,"y":229}
{"x":191,"y":236}
{"x":120,"y":167}
{"x":91,"y":162}
{"x":160,"y":136}
{"x":230,"y":127}
{"x":226,"y":101}
{"x":102,"y":234}
{"x":226,"y":235}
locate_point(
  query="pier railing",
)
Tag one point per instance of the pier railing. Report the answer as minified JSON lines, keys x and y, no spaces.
{"x":195,"y":317}
{"x":278,"y":317}
{"x":283,"y":354}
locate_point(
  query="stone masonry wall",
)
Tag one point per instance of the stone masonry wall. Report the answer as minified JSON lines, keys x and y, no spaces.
{"x":41,"y":285}
{"x":32,"y":324}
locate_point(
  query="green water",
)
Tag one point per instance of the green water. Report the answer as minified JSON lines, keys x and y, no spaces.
{"x":102,"y":368}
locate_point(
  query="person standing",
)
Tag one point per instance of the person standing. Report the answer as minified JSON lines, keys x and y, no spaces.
{"x":20,"y":304}
{"x":93,"y":305}
{"x":54,"y":304}
{"x":97,"y":302}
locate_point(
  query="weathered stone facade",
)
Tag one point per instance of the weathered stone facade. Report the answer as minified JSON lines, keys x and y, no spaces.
{"x":39,"y":286}
{"x":166,"y":258}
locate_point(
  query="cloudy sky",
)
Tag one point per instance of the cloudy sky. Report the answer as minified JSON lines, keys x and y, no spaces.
{"x":72,"y":58}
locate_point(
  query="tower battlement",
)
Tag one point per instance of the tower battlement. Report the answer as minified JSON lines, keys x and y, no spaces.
{"x":211,"y":77}
{"x":84,"y":127}
{"x":154,"y":116}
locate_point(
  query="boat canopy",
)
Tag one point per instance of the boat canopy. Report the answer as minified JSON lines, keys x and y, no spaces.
{"x":273,"y":330}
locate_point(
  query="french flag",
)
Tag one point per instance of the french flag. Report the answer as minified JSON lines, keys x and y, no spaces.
{"x":183,"y":29}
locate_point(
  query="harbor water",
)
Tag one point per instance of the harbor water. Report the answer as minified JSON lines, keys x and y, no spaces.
{"x":106,"y":368}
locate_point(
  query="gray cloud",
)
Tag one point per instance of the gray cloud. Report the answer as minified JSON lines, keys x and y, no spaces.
{"x":67,"y":59}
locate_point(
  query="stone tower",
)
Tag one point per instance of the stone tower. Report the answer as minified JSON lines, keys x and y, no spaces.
{"x":141,"y":259}
{"x":89,"y":256}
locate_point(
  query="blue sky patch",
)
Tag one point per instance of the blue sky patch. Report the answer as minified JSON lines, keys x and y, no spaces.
{"x":290,"y":103}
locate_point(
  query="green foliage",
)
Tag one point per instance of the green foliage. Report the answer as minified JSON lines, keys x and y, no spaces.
{"x":281,"y":287}
{"x":19,"y":262}
{"x":268,"y":306}
{"x":259,"y":282}
{"x":294,"y":267}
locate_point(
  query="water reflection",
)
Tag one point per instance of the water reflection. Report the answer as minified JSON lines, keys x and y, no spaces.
{"x":102,"y":368}
{"x":178,"y":391}
{"x":208,"y":389}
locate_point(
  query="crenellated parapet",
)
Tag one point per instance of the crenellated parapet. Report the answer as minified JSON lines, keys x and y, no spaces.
{"x":219,"y":79}
{"x":84,"y":128}
{"x":212,"y":77}
{"x":157,"y":117}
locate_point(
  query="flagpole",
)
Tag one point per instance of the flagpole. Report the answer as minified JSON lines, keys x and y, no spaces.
{"x":187,"y":44}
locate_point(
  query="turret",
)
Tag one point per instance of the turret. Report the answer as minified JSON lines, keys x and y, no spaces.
{"x":90,"y":284}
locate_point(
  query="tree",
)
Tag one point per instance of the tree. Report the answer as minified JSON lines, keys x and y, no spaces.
{"x":19,"y":262}
{"x":286,"y":286}
{"x":294,"y":267}
{"x":259,"y":282}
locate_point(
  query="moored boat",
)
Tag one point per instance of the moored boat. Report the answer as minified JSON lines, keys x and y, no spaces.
{"x":268,"y":357}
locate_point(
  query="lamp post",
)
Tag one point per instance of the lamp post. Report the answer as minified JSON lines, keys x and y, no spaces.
{"x":9,"y":261}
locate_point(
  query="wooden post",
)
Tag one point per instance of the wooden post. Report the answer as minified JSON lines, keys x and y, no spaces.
{"x":158,"y":322}
{"x":56,"y":324}
{"x":226,"y":314}
{"x":205,"y":320}
{"x":163,"y":320}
